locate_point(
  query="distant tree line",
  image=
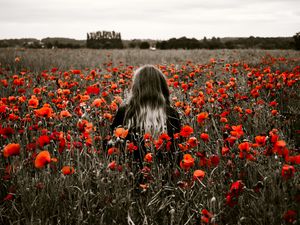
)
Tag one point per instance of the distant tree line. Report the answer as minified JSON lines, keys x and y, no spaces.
{"x":44,"y":43}
{"x":112,"y":40}
{"x":135,"y":43}
{"x":63,"y":43}
{"x":229,"y":43}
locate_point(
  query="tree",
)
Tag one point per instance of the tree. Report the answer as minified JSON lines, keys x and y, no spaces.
{"x":297,"y":40}
{"x":144,"y":45}
{"x":104,"y":39}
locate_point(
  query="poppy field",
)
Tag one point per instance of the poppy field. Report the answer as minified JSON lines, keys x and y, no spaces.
{"x":236,"y":158}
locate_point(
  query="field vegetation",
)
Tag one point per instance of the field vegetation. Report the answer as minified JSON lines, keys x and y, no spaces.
{"x":238,"y":147}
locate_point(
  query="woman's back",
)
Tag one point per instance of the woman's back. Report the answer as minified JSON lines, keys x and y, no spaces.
{"x":173,"y":120}
{"x":148,"y":111}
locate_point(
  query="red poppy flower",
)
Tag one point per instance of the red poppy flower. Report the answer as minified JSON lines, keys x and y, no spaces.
{"x":112,"y":165}
{"x":187,"y":162}
{"x":204,"y":137}
{"x":290,"y":216}
{"x":65,"y":113}
{"x":98,"y":102}
{"x":68,"y":170}
{"x":198,"y":174}
{"x":121,"y":132}
{"x":6,"y":131}
{"x":202,"y":117}
{"x":164,"y":137}
{"x":237,"y":131}
{"x":33,"y":102}
{"x":236,"y":187}
{"x":215,"y":160}
{"x":287,"y":171}
{"x":206,"y":216}
{"x":45,"y":111}
{"x":225,"y":151}
{"x":147,"y":136}
{"x":42,"y":159}
{"x":148,"y":158}
{"x":245,"y":146}
{"x":131,"y":147}
{"x":76,"y":71}
{"x":186,"y":131}
{"x":260,"y":140}
{"x":112,"y":150}
{"x":93,"y":90}
{"x":43,"y":140}
{"x":11,"y":149}
{"x":192,"y":142}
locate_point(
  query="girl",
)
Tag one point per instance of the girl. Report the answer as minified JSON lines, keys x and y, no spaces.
{"x":147,"y":109}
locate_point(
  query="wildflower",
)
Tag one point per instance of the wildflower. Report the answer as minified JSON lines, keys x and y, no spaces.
{"x":279,"y":147}
{"x":6,"y":131}
{"x":234,"y":192}
{"x":121,"y":132}
{"x":65,"y":113}
{"x":290,"y":216}
{"x":107,"y":116}
{"x":42,"y":159}
{"x":112,"y":150}
{"x":237,"y":131}
{"x":287,"y":171}
{"x":187,"y":162}
{"x":236,"y":187}
{"x":260,"y":140}
{"x":76,"y":71}
{"x":68,"y":170}
{"x":98,"y":102}
{"x":245,"y":146}
{"x":186,"y":131}
{"x":274,"y":112}
{"x":33,"y":102}
{"x":215,"y":160}
{"x":43,"y":140}
{"x":280,"y":144}
{"x":11,"y":149}
{"x":93,"y":90}
{"x":164,"y":137}
{"x":192,"y":142}
{"x":224,"y":120}
{"x":131,"y":147}
{"x":273,"y":135}
{"x":206,"y":216}
{"x":293,"y":159}
{"x":198,"y":174}
{"x":148,"y":157}
{"x":112,"y":165}
{"x":225,"y":151}
{"x":147,"y":136}
{"x":248,"y":111}
{"x":202,"y":117}
{"x":204,"y":137}
{"x":45,"y":111}
{"x":8,"y":197}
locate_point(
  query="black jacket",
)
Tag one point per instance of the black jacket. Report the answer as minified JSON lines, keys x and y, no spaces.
{"x":173,"y":127}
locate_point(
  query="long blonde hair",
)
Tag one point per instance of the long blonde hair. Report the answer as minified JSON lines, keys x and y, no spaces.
{"x":148,"y":101}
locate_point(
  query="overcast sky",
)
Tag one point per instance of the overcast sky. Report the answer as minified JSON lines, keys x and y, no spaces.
{"x":155,"y":19}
